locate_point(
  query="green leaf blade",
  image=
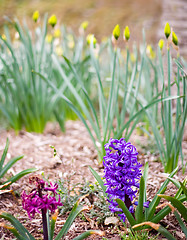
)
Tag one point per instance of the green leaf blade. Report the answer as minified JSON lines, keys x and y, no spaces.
{"x":177,"y":204}
{"x":126,"y":212}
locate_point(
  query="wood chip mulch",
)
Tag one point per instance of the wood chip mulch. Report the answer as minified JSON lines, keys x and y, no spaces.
{"x":75,"y":153}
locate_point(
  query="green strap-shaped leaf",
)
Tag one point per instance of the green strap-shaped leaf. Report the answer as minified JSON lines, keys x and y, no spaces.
{"x":177,"y":204}
{"x":87,"y":234}
{"x":156,"y":199}
{"x":175,"y":182}
{"x":164,"y":212}
{"x":145,"y":108}
{"x":180,"y":190}
{"x":181,"y":67}
{"x":52,"y":224}
{"x":183,"y":226}
{"x":126,"y":212}
{"x":85,"y":93}
{"x":71,"y":105}
{"x":20,"y":228}
{"x":4,"y":156}
{"x":139,"y":209}
{"x":100,"y":181}
{"x":145,"y":176}
{"x":166,"y":234}
{"x":145,"y":173}
{"x":14,"y":232}
{"x":184,"y":189}
{"x":76,"y":95}
{"x":158,"y":228}
{"x":20,"y":175}
{"x":110,"y":100}
{"x":73,"y":214}
{"x":9,"y":165}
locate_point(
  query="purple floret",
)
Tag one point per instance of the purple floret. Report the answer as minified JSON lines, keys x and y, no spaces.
{"x":122,"y":173}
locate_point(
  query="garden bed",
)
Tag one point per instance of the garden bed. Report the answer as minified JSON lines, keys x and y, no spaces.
{"x":75,"y":152}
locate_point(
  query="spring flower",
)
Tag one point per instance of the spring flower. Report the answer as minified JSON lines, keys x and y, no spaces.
{"x":49,"y":38}
{"x":174,"y":38}
{"x":161,"y":44}
{"x":116,"y":32}
{"x":40,"y":199}
{"x":126,"y":33}
{"x":150,"y":52}
{"x":35,"y":16}
{"x":52,"y":20}
{"x":57,"y":33}
{"x":122,"y":173}
{"x":91,"y":39}
{"x":84,"y":25}
{"x":167,"y":30}
{"x":4,"y":37}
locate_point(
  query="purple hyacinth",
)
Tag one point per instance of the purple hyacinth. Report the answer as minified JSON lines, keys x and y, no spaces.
{"x":122,"y":174}
{"x":40,"y":198}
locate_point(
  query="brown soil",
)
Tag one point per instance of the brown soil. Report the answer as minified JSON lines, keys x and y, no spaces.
{"x":76,"y":152}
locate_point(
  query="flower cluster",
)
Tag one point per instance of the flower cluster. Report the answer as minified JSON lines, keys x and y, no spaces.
{"x":122,"y":174}
{"x":40,"y":199}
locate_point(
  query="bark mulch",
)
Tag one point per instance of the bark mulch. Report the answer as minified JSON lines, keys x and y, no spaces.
{"x":75,"y":153}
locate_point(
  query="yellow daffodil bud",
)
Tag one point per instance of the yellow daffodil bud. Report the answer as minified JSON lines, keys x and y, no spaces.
{"x":161,"y":43}
{"x":167,"y":30}
{"x":4,"y":37}
{"x":52,"y":20}
{"x":174,"y":38}
{"x":116,"y":32}
{"x":90,"y":38}
{"x":49,"y":38}
{"x":35,"y":16}
{"x":84,"y":25}
{"x":57,"y":33}
{"x":126,"y":33}
{"x":150,"y":52}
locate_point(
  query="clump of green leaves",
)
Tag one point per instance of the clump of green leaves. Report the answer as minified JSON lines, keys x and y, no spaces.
{"x":137,"y":235}
{"x":165,"y":121}
{"x":20,"y":232}
{"x":148,"y":214}
{"x":175,"y":205}
{"x":94,"y":195}
{"x":24,"y":97}
{"x":5,"y":167}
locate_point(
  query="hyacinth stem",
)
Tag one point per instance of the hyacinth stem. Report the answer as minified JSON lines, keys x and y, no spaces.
{"x":44,"y":217}
{"x":128,"y":203}
{"x":44,"y":222}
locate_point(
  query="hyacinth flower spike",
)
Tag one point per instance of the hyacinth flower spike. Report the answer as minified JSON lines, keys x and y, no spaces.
{"x":122,"y":179}
{"x":43,"y":199}
{"x":40,"y":201}
{"x":122,"y":174}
